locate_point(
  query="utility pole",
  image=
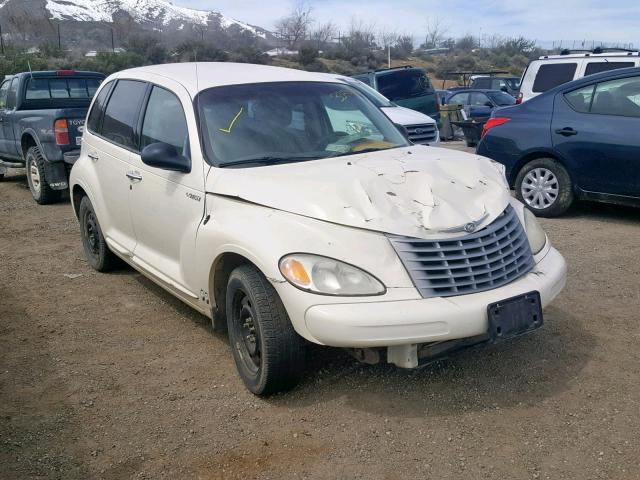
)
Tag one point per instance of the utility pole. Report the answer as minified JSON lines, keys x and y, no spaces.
{"x":59,"y":42}
{"x":113,"y":44}
{"x":389,"y":56}
{"x":1,"y":40}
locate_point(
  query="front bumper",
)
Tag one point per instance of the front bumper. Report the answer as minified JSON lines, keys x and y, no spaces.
{"x":404,"y":322}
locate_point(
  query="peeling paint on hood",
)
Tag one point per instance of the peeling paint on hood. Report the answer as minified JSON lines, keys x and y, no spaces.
{"x":417,"y":191}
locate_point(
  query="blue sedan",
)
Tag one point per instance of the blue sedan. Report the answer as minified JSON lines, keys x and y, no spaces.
{"x":580,"y":140}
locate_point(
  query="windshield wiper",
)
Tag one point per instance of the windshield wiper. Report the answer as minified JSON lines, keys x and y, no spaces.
{"x":365,"y":150}
{"x":267,"y":160}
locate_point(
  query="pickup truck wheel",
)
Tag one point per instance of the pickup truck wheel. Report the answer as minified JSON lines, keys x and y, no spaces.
{"x":269,"y":354}
{"x":40,"y":189}
{"x":545,"y":187}
{"x":95,"y":247}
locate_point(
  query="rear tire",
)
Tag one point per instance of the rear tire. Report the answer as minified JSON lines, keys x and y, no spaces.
{"x":95,"y":247}
{"x":545,"y":187}
{"x":269,"y":354}
{"x":37,"y":180}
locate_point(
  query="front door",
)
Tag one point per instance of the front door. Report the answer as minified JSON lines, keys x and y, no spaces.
{"x":595,"y":129}
{"x":8,"y":92}
{"x":166,"y":206}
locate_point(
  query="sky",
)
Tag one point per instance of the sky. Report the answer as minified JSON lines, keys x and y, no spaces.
{"x":614,"y":21}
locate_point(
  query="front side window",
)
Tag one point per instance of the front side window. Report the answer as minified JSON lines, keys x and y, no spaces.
{"x":164,"y":121}
{"x":617,"y":97}
{"x":553,"y":74}
{"x":4,"y":89}
{"x":402,"y":84}
{"x":269,"y":123}
{"x":502,"y":99}
{"x":122,"y":111}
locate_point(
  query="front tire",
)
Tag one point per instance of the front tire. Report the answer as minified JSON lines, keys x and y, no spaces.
{"x":545,"y":187}
{"x":269,"y":354}
{"x":37,"y":180}
{"x":95,"y":247}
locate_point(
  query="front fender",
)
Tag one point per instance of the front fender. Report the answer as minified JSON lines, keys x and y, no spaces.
{"x":264,"y":235}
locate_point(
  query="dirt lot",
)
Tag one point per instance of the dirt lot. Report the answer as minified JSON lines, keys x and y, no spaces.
{"x":107,"y":376}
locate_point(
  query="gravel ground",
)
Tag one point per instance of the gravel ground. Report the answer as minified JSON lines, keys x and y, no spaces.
{"x":107,"y":376}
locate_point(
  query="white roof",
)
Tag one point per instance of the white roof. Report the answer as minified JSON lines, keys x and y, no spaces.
{"x":202,"y":75}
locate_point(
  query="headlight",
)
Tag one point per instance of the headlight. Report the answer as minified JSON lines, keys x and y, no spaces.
{"x":535,"y":233}
{"x":327,"y":276}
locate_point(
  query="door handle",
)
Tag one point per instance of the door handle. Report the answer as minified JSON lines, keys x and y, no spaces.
{"x":566,"y":131}
{"x":133,"y":175}
{"x":93,"y":156}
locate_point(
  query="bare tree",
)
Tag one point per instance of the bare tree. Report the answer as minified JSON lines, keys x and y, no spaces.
{"x":323,"y":33}
{"x":387,"y":38}
{"x":293,"y":28}
{"x":435,"y":32}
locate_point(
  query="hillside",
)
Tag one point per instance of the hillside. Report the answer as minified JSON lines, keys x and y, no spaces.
{"x":89,"y":23}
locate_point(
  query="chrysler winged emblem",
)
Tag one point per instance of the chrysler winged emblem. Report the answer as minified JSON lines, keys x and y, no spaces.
{"x":468,"y":227}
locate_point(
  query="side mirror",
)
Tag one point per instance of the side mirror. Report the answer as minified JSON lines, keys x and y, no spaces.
{"x":403,"y":131}
{"x":165,"y":156}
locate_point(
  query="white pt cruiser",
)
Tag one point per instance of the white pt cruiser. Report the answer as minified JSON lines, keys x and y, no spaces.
{"x":287,"y":208}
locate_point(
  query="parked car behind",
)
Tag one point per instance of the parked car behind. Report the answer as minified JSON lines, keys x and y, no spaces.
{"x":406,"y":86}
{"x":288,"y":208}
{"x":510,"y":85}
{"x":480,"y":103}
{"x":578,"y":140}
{"x":550,"y":71}
{"x":420,"y":128}
{"x":42,"y":116}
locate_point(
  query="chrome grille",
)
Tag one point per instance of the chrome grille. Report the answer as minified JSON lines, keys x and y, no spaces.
{"x":424,"y":133}
{"x":483,"y":260}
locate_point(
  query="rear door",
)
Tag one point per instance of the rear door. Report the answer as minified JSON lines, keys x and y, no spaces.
{"x":595,"y":128}
{"x":109,"y":141}
{"x":167,"y":206}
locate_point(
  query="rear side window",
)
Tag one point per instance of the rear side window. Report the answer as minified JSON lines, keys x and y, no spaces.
{"x":553,"y":74}
{"x":580,"y":99}
{"x":164,"y":121}
{"x":364,"y":79}
{"x":121,"y":114}
{"x":597,"y":67}
{"x":12,"y":95}
{"x":49,"y":88}
{"x":402,"y":84}
{"x":459,"y":99}
{"x":482,"y":83}
{"x":95,"y":116}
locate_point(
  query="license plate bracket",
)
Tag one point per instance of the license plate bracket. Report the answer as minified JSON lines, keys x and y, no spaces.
{"x":514,"y":316}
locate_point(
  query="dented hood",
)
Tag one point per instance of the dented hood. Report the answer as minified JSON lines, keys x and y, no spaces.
{"x":417,"y":191}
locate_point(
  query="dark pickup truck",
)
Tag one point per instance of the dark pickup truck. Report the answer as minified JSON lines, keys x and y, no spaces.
{"x":42,"y":117}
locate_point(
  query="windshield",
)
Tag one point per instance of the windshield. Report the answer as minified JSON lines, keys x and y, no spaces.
{"x":401,"y":84}
{"x":270,"y":123}
{"x":502,"y":99}
{"x":376,"y":97}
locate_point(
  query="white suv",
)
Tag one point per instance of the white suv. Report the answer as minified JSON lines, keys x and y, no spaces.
{"x":288,"y":208}
{"x":549,"y":71}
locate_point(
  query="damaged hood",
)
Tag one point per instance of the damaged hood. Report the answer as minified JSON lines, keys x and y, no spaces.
{"x":417,"y":191}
